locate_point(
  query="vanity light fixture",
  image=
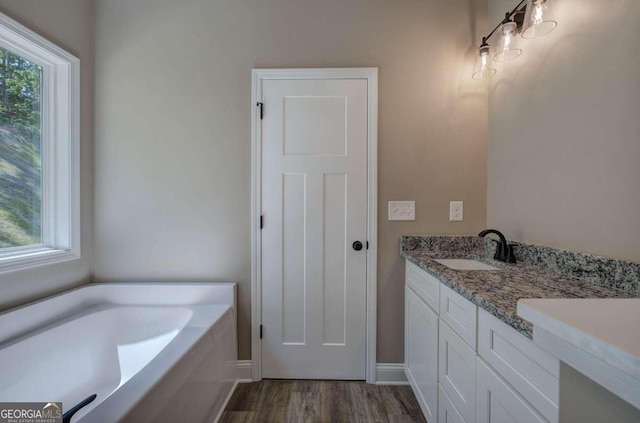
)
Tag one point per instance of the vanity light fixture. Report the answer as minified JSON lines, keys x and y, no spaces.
{"x":508,"y":45}
{"x":532,"y":20}
{"x":484,"y":69}
{"x":539,"y":19}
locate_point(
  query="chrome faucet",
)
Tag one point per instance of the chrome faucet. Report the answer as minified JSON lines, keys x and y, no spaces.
{"x":504,"y":251}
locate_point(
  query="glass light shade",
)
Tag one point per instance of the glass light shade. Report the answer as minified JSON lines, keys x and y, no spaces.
{"x":539,"y":19}
{"x":508,"y":46}
{"x":483,"y":69}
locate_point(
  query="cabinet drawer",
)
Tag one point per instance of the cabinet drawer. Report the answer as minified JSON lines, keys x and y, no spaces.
{"x":533,"y":372}
{"x":421,"y":352}
{"x":447,"y":412}
{"x":460,"y":314}
{"x":426,"y":286}
{"x":456,"y":371}
{"x":497,"y":402}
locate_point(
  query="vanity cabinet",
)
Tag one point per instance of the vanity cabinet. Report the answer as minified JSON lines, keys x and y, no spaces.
{"x":467,"y":366}
{"x":447,"y":412}
{"x":424,"y":285}
{"x":459,"y":314}
{"x":498,"y":402}
{"x":457,"y":371}
{"x":532,"y":371}
{"x":421,"y":344}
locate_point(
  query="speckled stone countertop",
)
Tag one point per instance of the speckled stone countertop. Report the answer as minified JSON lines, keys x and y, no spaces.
{"x":498,"y":291}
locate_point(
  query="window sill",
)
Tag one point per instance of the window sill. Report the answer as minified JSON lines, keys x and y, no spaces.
{"x":34,"y":257}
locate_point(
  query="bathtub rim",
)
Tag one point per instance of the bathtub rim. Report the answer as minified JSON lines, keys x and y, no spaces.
{"x":22,"y":320}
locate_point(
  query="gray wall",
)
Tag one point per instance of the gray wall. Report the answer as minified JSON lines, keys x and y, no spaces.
{"x":583,"y":400}
{"x":173,"y":138}
{"x":69,"y":24}
{"x":564,"y":132}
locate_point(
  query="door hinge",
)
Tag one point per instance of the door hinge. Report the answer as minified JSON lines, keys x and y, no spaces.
{"x":261,"y":221}
{"x":260,"y":331}
{"x":261,"y":105}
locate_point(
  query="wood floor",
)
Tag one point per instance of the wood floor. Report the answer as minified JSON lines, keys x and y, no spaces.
{"x":321,"y":401}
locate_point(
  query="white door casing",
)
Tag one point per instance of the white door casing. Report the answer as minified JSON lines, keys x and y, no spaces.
{"x":315,"y":182}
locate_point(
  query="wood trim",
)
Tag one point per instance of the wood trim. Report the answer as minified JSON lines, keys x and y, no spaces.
{"x":256,"y":236}
{"x":372,"y":225}
{"x":371,"y":75}
{"x":244,"y":371}
{"x":391,"y":374}
{"x":61,"y":148}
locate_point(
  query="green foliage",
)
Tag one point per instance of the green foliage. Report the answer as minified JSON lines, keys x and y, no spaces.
{"x":20,"y":160}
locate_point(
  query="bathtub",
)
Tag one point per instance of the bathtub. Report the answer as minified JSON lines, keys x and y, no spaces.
{"x":150,"y":352}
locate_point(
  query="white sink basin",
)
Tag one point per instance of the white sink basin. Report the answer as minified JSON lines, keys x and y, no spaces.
{"x":465,"y":264}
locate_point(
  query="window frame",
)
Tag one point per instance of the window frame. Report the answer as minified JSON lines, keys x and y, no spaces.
{"x":60,"y":150}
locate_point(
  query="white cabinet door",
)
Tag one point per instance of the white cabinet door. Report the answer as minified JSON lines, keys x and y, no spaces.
{"x":457,"y":371}
{"x":533,"y":372}
{"x":425,"y":285}
{"x":421,"y":352}
{"x":497,"y":402}
{"x":460,"y":314}
{"x":447,"y":412}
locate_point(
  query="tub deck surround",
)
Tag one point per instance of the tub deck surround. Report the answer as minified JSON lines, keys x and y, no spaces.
{"x":498,"y":291}
{"x":151,"y":352}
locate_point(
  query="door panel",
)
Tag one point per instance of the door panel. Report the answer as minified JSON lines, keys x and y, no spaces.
{"x":314,"y":201}
{"x":315,"y":125}
{"x":334,"y":263}
{"x":293,"y":275}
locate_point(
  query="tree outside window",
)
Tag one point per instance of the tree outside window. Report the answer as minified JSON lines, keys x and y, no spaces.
{"x":20,"y":151}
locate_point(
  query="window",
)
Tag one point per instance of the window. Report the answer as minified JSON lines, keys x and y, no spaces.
{"x":20,"y":151}
{"x":39,"y":150}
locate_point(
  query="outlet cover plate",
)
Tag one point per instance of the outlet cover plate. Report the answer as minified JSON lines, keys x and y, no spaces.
{"x":456,"y":211}
{"x":402,"y":210}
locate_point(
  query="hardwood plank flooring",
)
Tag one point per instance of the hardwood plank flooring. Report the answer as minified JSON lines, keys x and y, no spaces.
{"x":312,"y":401}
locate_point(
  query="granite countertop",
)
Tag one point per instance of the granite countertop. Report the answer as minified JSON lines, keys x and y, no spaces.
{"x":498,"y":291}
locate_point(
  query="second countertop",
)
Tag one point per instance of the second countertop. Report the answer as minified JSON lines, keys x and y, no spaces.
{"x":498,"y":291}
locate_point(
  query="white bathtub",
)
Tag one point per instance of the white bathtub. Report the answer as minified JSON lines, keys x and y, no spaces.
{"x":151,"y":352}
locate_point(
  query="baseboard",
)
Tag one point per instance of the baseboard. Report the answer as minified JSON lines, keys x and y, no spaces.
{"x":390,"y":374}
{"x":244,"y":368}
{"x":386,"y":373}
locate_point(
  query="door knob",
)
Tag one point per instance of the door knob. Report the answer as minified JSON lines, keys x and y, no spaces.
{"x":357,"y":245}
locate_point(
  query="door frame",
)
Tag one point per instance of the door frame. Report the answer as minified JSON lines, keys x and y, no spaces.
{"x":259,"y":75}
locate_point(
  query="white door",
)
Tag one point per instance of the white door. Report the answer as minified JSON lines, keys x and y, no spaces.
{"x":314,"y":203}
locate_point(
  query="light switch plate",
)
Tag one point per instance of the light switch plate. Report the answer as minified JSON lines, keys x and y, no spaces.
{"x":456,"y":211}
{"x":402,"y":210}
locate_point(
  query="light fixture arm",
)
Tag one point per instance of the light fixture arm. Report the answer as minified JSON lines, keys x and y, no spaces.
{"x":507,"y":18}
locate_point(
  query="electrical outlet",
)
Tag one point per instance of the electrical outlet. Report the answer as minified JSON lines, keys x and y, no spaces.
{"x":402,"y":210}
{"x":456,"y":211}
